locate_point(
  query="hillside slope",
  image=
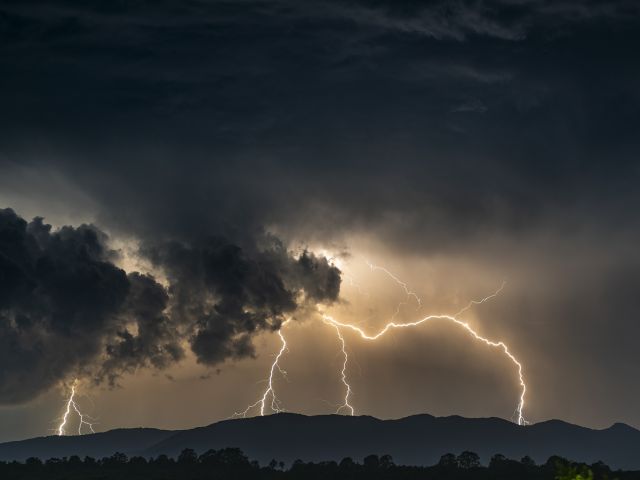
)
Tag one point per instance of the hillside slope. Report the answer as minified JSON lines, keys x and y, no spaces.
{"x":415,"y":440}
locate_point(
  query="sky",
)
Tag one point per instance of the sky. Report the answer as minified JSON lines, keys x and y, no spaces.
{"x":179,"y":179}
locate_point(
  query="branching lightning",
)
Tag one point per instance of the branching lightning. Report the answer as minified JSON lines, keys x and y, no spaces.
{"x":405,"y":287}
{"x":391,"y":325}
{"x":275,"y":405}
{"x":73,"y":405}
{"x":480,"y":302}
{"x":519,"y":412}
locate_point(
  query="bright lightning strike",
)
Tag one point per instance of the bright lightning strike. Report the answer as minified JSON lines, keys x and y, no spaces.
{"x":275,"y":405}
{"x":73,"y":405}
{"x":343,"y":373}
{"x":451,"y":318}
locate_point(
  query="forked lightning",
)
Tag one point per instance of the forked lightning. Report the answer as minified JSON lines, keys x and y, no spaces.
{"x":73,"y":405}
{"x":519,"y":412}
{"x":391,"y":325}
{"x":276,"y":406}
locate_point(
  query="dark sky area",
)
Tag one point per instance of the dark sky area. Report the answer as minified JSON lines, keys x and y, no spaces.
{"x":178,"y":178}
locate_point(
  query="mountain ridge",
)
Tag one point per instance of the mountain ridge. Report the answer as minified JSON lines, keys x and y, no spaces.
{"x":413,"y":440}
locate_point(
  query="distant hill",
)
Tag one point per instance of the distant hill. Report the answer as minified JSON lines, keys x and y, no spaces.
{"x":97,"y":445}
{"x":415,"y":440}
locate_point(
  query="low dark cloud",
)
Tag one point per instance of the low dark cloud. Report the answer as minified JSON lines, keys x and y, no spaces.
{"x":227,"y":294}
{"x":60,"y":296}
{"x":156,"y":341}
{"x":66,"y":309}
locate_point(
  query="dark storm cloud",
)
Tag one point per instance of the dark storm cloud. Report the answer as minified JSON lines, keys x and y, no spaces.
{"x":458,"y":20}
{"x":157,"y":341}
{"x":65,"y":308}
{"x":59,"y":297}
{"x":227,"y":296}
{"x":253,"y":107}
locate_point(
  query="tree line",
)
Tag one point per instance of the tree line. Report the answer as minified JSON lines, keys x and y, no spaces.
{"x":232,"y":463}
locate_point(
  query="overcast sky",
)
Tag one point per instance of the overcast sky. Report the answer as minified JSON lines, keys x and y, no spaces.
{"x":206,"y":170}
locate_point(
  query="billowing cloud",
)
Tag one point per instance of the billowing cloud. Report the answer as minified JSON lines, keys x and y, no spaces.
{"x":60,"y":297}
{"x":227,"y":294}
{"x":65,"y":308}
{"x":156,"y":341}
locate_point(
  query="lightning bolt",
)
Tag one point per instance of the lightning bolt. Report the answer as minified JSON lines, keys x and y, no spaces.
{"x":73,"y":405}
{"x":519,"y":412}
{"x":276,"y":407}
{"x":343,"y":373}
{"x":270,"y":391}
{"x":405,"y":287}
{"x":480,"y":302}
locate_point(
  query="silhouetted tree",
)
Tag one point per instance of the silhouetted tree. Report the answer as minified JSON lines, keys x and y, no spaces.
{"x":554,"y":461}
{"x":386,"y":461}
{"x":117,"y":458}
{"x":162,"y":461}
{"x":468,"y":460}
{"x":600,"y":469}
{"x":371,"y":462}
{"x":208,"y":457}
{"x":347,"y":463}
{"x":188,"y":456}
{"x":137,"y":461}
{"x":33,"y":462}
{"x":497,"y":460}
{"x":233,"y":464}
{"x":448,"y":460}
{"x":232,"y":457}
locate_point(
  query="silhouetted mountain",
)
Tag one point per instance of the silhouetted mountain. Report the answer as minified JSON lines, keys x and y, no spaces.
{"x":415,"y":440}
{"x":97,"y":445}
